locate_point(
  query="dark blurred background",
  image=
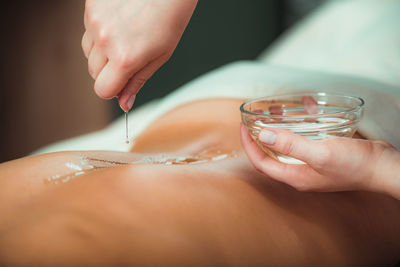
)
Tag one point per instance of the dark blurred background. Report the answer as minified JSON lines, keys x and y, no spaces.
{"x":46,"y":92}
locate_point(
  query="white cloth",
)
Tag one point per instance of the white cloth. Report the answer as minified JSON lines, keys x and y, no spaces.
{"x":356,"y":37}
{"x":252,"y":79}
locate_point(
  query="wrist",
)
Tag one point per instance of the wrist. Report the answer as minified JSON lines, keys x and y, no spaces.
{"x":386,"y":173}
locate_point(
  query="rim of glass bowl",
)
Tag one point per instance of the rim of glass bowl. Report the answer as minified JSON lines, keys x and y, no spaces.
{"x":352,"y":109}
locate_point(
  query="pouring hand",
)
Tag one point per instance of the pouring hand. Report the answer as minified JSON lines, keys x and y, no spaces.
{"x":126,"y":41}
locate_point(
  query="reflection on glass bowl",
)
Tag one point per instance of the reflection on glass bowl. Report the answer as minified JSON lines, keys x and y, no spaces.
{"x":316,"y":116}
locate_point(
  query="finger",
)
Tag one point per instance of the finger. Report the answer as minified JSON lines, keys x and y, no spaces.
{"x":110,"y":81}
{"x":310,"y":105}
{"x":293,"y":145}
{"x":87,"y":44}
{"x":275,"y":110}
{"x":127,"y":96}
{"x":250,"y":147}
{"x":117,"y":72}
{"x":297,"y":176}
{"x":96,"y":62}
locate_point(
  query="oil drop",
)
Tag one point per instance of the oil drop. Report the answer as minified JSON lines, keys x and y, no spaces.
{"x":126,"y":128}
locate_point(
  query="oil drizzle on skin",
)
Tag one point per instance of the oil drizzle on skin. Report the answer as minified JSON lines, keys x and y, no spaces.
{"x":126,"y":128}
{"x":93,"y":163}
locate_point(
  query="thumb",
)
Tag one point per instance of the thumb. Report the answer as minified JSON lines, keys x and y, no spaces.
{"x":294,"y":145}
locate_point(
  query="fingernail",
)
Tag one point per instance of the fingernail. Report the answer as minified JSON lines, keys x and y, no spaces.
{"x":267,"y":137}
{"x":275,"y":110}
{"x":131,"y":101}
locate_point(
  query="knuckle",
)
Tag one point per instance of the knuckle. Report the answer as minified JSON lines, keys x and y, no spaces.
{"x":93,"y":20}
{"x":323,"y":158}
{"x":103,"y":37}
{"x":288,"y":147}
{"x":124,"y":60}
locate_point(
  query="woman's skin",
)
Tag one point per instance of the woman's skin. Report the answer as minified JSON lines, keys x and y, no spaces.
{"x":126,"y":41}
{"x":219,"y":212}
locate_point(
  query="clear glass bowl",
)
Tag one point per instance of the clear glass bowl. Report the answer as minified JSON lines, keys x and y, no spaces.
{"x":316,"y":116}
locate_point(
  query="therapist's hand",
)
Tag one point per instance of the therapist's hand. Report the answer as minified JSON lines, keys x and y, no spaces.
{"x":126,"y":41}
{"x":335,"y":164}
